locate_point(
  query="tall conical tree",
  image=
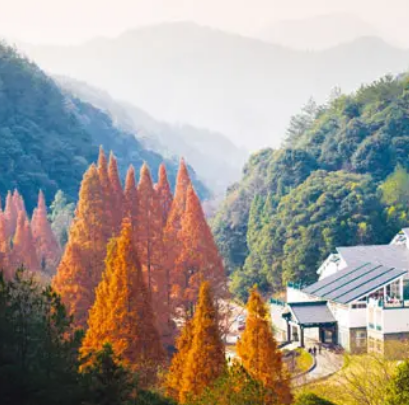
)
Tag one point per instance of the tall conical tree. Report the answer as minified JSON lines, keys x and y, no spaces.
{"x":18,"y":201}
{"x":47,"y":246}
{"x":198,"y":258}
{"x":122,"y":313}
{"x":164,"y":193}
{"x":24,"y":252}
{"x":5,"y":250}
{"x":174,"y":377}
{"x":11,"y":214}
{"x":149,"y":245}
{"x":131,"y":199}
{"x":82,"y":264}
{"x":206,"y":360}
{"x":106,"y":189}
{"x":259,"y":353}
{"x":117,"y":200}
{"x":171,"y":231}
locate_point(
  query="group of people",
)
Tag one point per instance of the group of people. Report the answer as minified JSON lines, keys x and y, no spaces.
{"x":313,"y":350}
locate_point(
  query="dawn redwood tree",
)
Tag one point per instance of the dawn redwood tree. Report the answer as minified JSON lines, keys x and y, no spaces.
{"x":150,"y":248}
{"x":206,"y":360}
{"x":47,"y":246}
{"x":82,"y":264}
{"x":24,"y":251}
{"x":106,"y":190}
{"x":131,"y":200}
{"x":5,"y":249}
{"x":122,"y":314}
{"x":11,"y":214}
{"x":198,"y":258}
{"x":164,"y":193}
{"x":117,"y":199}
{"x":171,"y":231}
{"x":260,"y":355}
{"x":174,"y":377}
{"x":18,"y":202}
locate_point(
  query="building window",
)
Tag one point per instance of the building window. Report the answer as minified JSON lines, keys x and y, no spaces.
{"x":360,"y":339}
{"x":359,"y":305}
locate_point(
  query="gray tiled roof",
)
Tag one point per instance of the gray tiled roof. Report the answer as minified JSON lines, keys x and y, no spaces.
{"x":308,"y":313}
{"x":352,"y":283}
{"x":388,"y":255}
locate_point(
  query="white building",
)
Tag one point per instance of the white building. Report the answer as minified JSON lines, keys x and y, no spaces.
{"x":360,"y":302}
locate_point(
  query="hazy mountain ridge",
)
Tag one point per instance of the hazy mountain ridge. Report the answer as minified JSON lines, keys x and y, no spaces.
{"x":48,"y":139}
{"x":245,"y":88}
{"x":198,"y":146}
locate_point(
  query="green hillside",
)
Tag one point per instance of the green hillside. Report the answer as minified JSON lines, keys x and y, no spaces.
{"x":320,"y":190}
{"x":47,"y":139}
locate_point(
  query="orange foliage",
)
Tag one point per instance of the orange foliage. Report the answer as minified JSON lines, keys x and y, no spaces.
{"x":24,"y":252}
{"x":206,"y":360}
{"x":174,"y":377}
{"x":164,"y":193}
{"x":198,"y":257}
{"x":11,"y":214}
{"x":150,"y":248}
{"x":82,"y":264}
{"x":47,"y":246}
{"x":117,"y":196}
{"x":259,"y":353}
{"x":122,"y":313}
{"x":5,"y":250}
{"x":131,"y":199}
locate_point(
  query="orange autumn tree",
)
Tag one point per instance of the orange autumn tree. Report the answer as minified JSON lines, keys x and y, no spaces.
{"x":117,"y":197}
{"x":11,"y":214}
{"x":174,"y":377}
{"x":24,"y":252}
{"x":150,"y":248}
{"x":122,"y":314}
{"x":260,"y":355}
{"x":82,"y":264}
{"x":171,"y":231}
{"x":106,"y":191}
{"x":47,"y":246}
{"x":131,"y":199}
{"x":18,"y":202}
{"x":5,"y":249}
{"x":206,"y":361}
{"x":164,"y":193}
{"x":198,"y":258}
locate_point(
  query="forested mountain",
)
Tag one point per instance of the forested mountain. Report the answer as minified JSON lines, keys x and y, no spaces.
{"x":48,"y":139}
{"x":321,"y":189}
{"x":198,"y":146}
{"x":245,"y":88}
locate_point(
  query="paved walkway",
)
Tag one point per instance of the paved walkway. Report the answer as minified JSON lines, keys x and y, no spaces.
{"x":327,"y":363}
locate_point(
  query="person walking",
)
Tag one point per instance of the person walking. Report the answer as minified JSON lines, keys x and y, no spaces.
{"x":315,"y":351}
{"x":319,"y":349}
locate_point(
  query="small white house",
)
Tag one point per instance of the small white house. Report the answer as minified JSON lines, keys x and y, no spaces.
{"x":360,"y":302}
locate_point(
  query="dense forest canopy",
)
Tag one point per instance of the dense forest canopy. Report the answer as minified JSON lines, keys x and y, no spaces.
{"x":323,"y":188}
{"x":48,"y":139}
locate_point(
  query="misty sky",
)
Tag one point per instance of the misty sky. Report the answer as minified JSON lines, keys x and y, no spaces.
{"x":74,"y":21}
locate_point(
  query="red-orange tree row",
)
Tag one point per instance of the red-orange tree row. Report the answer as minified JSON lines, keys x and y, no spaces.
{"x":32,"y":245}
{"x":170,"y":235}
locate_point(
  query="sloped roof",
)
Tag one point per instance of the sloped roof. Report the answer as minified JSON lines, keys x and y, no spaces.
{"x":388,"y":255}
{"x":353,"y":282}
{"x":312,"y":313}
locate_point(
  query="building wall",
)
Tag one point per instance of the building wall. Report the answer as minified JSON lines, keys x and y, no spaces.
{"x":296,"y":295}
{"x":393,"y":346}
{"x":395,"y":320}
